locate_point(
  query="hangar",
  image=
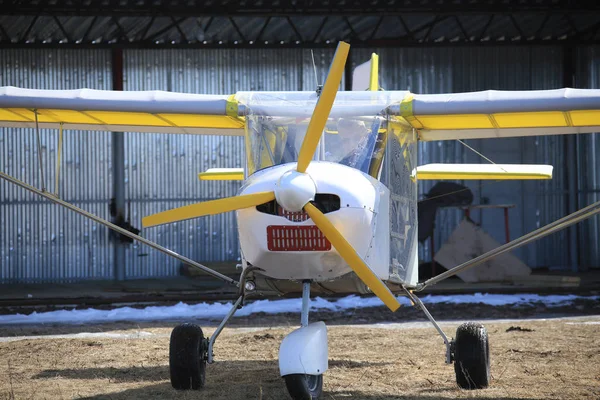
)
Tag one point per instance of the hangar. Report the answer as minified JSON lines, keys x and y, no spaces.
{"x":222,"y":47}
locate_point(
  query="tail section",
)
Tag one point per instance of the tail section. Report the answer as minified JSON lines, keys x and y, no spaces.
{"x":366,"y":75}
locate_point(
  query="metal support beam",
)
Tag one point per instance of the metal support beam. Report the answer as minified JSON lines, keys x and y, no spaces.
{"x":118,"y":173}
{"x":430,"y":25}
{"x":39,"y":151}
{"x":305,"y":303}
{"x":291,"y":23}
{"x":33,"y":21}
{"x":4,"y":33}
{"x":217,"y":332}
{"x":181,"y":33}
{"x":237,"y":29}
{"x":262,"y":30}
{"x":569,"y":69}
{"x":122,"y":34}
{"x":58,"y":161}
{"x":379,"y":21}
{"x":166,"y":29}
{"x":279,"y":8}
{"x":447,"y":342}
{"x":142,"y":37}
{"x":62,"y":29}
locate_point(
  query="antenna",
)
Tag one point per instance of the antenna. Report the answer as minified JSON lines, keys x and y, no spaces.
{"x":319,"y":87}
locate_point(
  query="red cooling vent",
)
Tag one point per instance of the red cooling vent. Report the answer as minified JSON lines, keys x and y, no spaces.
{"x":296,"y":238}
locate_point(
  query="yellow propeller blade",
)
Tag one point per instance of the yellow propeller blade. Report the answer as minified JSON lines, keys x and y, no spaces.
{"x":208,"y":208}
{"x":351,"y":257}
{"x":323,"y":107}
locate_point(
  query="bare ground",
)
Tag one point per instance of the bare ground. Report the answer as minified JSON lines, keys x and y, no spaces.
{"x":558,"y":359}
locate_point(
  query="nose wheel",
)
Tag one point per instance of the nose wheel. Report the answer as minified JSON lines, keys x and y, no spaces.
{"x":303,"y":386}
{"x":303,"y":355}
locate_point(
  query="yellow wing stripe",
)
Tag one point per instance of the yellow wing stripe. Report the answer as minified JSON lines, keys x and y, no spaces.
{"x":585,"y":118}
{"x":123,"y":118}
{"x":540,"y":119}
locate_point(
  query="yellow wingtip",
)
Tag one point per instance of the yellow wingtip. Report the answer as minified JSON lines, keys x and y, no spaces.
{"x":438,"y":171}
{"x":222,"y":174}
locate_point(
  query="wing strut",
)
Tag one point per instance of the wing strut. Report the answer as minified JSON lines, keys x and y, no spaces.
{"x":118,"y":229}
{"x":39,"y":148}
{"x":555,"y":226}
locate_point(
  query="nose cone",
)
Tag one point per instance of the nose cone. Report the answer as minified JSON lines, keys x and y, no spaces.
{"x":294,"y":189}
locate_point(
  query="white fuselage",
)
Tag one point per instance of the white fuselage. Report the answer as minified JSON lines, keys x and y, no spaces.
{"x":362,"y":218}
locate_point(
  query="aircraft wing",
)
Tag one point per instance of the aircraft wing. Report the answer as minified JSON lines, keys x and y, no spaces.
{"x":493,"y":113}
{"x":121,"y":111}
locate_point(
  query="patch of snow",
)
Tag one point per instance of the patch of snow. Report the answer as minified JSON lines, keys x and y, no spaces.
{"x":205,"y":311}
{"x":82,"y":335}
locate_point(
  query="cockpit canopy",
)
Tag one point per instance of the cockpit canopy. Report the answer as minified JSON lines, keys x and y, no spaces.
{"x":355,"y":135}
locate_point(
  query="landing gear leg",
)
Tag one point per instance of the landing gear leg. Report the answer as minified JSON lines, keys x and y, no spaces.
{"x":469,"y":351}
{"x":303,"y":355}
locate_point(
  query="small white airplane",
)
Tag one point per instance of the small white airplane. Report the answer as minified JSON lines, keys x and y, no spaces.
{"x":329,"y":193}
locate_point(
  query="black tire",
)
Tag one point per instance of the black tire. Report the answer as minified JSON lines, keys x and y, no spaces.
{"x":187,"y":360}
{"x":472,"y":356}
{"x":304,"y":387}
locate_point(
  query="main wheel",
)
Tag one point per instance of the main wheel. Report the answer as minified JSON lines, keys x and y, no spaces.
{"x":187,"y":357}
{"x":472,"y":356}
{"x":304,"y":387}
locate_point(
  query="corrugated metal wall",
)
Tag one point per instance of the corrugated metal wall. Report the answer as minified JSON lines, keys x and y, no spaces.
{"x":40,"y":242}
{"x":588,"y":147}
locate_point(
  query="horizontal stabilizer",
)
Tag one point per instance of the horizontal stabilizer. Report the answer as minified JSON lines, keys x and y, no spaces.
{"x":483,"y":171}
{"x":222,"y":174}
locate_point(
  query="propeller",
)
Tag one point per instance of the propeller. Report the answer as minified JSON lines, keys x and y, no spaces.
{"x":295,"y":189}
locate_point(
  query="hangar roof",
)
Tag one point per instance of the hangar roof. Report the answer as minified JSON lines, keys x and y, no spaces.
{"x":291,"y":23}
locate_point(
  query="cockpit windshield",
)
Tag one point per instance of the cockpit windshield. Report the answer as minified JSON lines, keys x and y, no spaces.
{"x":355,"y":135}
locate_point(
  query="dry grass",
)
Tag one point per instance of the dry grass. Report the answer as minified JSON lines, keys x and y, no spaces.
{"x":558,"y":360}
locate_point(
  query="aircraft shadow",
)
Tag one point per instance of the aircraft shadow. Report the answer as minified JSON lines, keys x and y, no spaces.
{"x":161,"y":372}
{"x":275,"y":391}
{"x":244,"y":379}
{"x":422,"y":396}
